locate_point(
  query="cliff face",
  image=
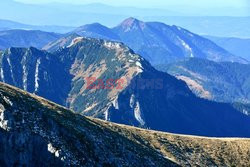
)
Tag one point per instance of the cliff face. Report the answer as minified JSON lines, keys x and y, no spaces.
{"x":35,"y":71}
{"x":20,"y":148}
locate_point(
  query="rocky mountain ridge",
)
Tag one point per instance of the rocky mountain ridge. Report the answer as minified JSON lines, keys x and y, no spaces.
{"x":37,"y":132}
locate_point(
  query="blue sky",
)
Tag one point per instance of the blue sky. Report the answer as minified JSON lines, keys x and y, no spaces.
{"x":154,"y":3}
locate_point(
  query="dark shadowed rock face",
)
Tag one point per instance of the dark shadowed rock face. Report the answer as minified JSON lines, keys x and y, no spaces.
{"x":35,"y":132}
{"x":176,"y":109}
{"x":24,"y":148}
{"x":35,"y":71}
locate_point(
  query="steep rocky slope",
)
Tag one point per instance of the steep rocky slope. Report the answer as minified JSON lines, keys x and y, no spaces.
{"x":35,"y":71}
{"x":142,"y":96}
{"x":37,"y":132}
{"x":108,"y":80}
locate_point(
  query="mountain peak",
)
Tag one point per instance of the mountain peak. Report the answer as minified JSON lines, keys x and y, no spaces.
{"x":132,"y":23}
{"x":96,"y":30}
{"x":91,"y":26}
{"x":131,"y":19}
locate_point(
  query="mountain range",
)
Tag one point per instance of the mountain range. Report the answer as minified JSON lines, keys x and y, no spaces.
{"x":96,"y":30}
{"x":160,"y":43}
{"x":223,"y":22}
{"x":231,"y":87}
{"x":155,"y":41}
{"x":136,"y":93}
{"x":107,"y":80}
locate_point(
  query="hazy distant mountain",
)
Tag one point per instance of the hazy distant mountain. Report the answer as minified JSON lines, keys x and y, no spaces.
{"x":73,"y":15}
{"x":212,"y":22}
{"x":96,"y":30}
{"x":7,"y":24}
{"x":224,"y":82}
{"x":222,"y":26}
{"x":237,"y":46}
{"x":10,"y":25}
{"x":26,"y":38}
{"x":129,"y":89}
{"x":101,"y":8}
{"x":57,"y":14}
{"x":160,"y":43}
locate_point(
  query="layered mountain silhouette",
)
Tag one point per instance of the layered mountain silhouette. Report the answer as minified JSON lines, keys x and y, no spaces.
{"x":224,"y":81}
{"x":96,"y":30}
{"x":26,"y":38}
{"x":107,"y":80}
{"x":12,"y":25}
{"x":159,"y":43}
{"x":237,"y":46}
{"x":218,"y":22}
